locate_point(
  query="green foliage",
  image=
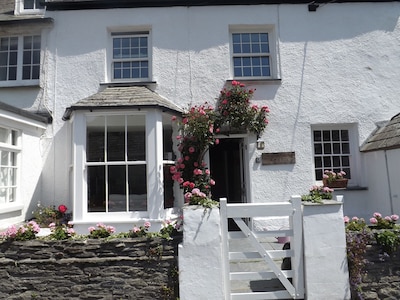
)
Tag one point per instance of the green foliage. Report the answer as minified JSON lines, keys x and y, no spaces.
{"x":317,"y":194}
{"x":355,"y":224}
{"x":23,"y":232}
{"x":61,"y":231}
{"x":102,"y":231}
{"x":45,"y":215}
{"x":388,"y":240}
{"x":198,"y":130}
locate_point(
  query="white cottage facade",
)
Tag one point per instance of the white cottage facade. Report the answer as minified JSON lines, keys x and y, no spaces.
{"x":113,"y":73}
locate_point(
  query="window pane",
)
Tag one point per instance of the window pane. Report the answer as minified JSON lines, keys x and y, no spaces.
{"x":115,"y":138}
{"x":318,"y":162}
{"x":327,"y":148}
{"x":96,"y":189}
{"x":327,"y":162}
{"x":317,"y":136}
{"x":345,"y":148}
{"x":137,"y":188}
{"x":117,"y":198}
{"x":5,"y":158}
{"x":345,"y":135}
{"x":3,"y":195}
{"x":326,"y":134}
{"x":167,"y":142}
{"x":136,"y":138}
{"x":95,"y":143}
{"x":4,"y":135}
{"x":168,"y":188}
{"x":28,"y":4}
{"x":318,"y":149}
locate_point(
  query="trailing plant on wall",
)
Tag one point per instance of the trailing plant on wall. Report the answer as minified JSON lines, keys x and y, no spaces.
{"x":198,"y":130}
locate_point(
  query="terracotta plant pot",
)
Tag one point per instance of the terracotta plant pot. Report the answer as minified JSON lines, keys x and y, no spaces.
{"x":338,"y":183}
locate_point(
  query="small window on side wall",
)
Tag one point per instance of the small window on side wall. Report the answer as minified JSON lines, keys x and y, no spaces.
{"x":253,"y":53}
{"x":334,"y":149}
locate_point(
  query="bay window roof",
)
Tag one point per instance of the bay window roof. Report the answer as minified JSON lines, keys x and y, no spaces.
{"x":122,"y":97}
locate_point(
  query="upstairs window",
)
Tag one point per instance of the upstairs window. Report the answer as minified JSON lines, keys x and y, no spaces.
{"x":131,"y":56}
{"x":33,"y":4}
{"x":20,"y":58}
{"x":251,"y":55}
{"x":9,"y":150}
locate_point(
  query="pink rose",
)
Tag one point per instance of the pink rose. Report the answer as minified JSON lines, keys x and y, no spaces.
{"x":373,"y":221}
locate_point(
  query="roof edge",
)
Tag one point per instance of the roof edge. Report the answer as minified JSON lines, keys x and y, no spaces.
{"x":27,"y":114}
{"x":105,"y":4}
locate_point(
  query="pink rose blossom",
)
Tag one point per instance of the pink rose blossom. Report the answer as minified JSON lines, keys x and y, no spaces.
{"x":377,"y":215}
{"x":147,"y":224}
{"x":373,"y":221}
{"x":394,"y":217}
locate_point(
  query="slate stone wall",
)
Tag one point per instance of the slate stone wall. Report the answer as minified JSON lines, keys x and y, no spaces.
{"x":137,"y":268}
{"x":382,"y":278}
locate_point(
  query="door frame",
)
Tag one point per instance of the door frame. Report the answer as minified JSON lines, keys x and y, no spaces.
{"x":245,"y":162}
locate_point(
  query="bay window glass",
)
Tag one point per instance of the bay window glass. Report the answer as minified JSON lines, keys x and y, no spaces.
{"x":8,"y":165}
{"x":116,"y":163}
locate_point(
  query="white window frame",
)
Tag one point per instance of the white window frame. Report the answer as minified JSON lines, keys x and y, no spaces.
{"x":354,"y":156}
{"x":127,"y":33}
{"x":20,"y":63}
{"x":273,"y":57}
{"x":154,"y":163}
{"x":21,"y":10}
{"x":9,"y":147}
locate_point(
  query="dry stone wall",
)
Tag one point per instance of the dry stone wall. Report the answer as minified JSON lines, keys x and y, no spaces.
{"x":136,"y":268}
{"x":382,"y":278}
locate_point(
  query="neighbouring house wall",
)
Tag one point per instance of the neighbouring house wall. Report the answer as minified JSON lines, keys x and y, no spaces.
{"x":136,"y":268}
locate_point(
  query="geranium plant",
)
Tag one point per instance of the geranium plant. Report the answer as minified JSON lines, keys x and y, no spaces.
{"x":140,"y":231}
{"x":198,"y":130}
{"x":317,"y":194}
{"x":331,"y":176}
{"x":23,"y":232}
{"x":379,"y":222}
{"x":102,"y":231}
{"x":61,"y":231}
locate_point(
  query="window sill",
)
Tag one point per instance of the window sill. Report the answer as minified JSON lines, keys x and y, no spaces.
{"x":270,"y":81}
{"x":11,"y":208}
{"x":19,"y":84}
{"x":128,"y":83}
{"x":353,"y":188}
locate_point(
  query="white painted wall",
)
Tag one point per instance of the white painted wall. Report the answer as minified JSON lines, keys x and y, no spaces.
{"x":339,"y":64}
{"x":29,"y":168}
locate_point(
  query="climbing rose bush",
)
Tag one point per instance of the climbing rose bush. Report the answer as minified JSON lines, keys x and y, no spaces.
{"x":198,"y":130}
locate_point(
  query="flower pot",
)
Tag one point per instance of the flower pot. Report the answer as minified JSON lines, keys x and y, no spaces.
{"x":338,"y":183}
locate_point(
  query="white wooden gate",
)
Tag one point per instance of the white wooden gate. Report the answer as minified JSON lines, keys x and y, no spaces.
{"x":292,"y":281}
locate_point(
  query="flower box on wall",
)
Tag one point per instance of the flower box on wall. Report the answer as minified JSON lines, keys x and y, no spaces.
{"x":338,"y":183}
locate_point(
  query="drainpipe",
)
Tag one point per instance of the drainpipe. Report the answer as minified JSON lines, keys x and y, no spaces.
{"x":388,"y":180}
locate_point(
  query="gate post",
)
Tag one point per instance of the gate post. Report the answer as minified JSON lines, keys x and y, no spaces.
{"x":325,"y":256}
{"x":200,"y":255}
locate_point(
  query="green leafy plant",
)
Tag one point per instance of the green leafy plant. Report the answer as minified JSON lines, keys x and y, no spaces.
{"x":388,"y":240}
{"x":355,"y":224}
{"x":140,"y":231}
{"x":379,"y":222}
{"x":317,"y":194}
{"x":197,"y":132}
{"x":45,"y":215}
{"x":356,"y":246}
{"x":236,"y":111}
{"x":331,"y":176}
{"x":61,"y":231}
{"x":23,"y":232}
{"x":171,"y":228}
{"x":102,"y":231}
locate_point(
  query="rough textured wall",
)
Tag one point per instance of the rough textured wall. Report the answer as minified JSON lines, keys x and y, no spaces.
{"x":92,"y":269}
{"x":382,"y":280}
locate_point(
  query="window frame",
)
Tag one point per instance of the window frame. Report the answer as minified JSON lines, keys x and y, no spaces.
{"x":136,"y":32}
{"x":154,"y":164}
{"x":17,"y":149}
{"x":19,"y":81}
{"x":21,"y":10}
{"x":354,"y":156}
{"x":272,"y":55}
